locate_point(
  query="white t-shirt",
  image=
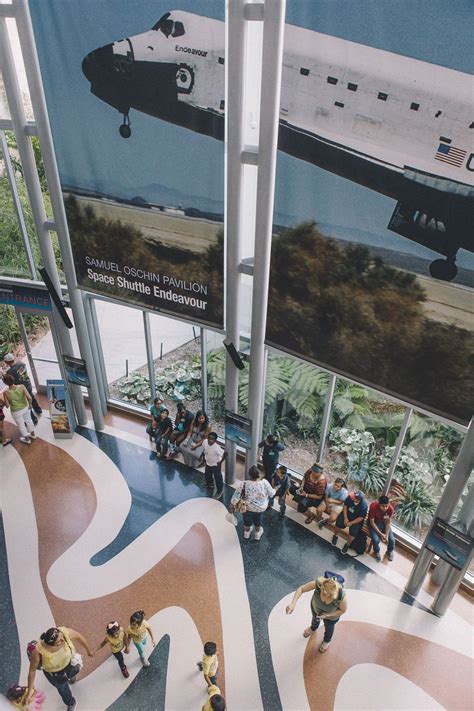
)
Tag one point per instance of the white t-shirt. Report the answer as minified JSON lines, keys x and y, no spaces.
{"x":212,"y":453}
{"x":257,"y":494}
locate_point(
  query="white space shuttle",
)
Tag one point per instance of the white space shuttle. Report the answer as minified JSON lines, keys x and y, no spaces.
{"x":399,"y":126}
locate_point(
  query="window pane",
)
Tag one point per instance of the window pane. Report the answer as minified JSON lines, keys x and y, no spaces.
{"x":295,"y":394}
{"x":123,"y":345}
{"x":13,"y":260}
{"x":4,"y":108}
{"x":364,"y":428}
{"x":177,"y":356}
{"x":425,"y":464}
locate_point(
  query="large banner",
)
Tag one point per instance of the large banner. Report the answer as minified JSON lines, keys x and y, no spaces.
{"x":372,"y":264}
{"x":135,"y":95}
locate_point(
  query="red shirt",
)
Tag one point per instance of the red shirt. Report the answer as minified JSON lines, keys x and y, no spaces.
{"x":314,"y":488}
{"x":378,"y":515}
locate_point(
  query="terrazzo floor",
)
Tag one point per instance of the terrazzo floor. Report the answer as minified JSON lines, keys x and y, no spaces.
{"x":96,"y":527}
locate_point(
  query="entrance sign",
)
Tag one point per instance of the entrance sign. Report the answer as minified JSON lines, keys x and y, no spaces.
{"x":138,"y":128}
{"x":372,"y":268}
{"x":238,"y":429}
{"x":25,"y":297}
{"x":449,"y":544}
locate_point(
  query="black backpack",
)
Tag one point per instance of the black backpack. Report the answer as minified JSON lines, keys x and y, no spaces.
{"x":359,"y":544}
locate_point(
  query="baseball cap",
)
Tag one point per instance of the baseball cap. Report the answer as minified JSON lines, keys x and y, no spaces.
{"x":359,"y":495}
{"x":317,"y":467}
{"x":8,"y":357}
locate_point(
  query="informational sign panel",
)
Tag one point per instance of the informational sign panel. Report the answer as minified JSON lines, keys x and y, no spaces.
{"x":372,"y":257}
{"x":76,"y":371}
{"x":135,"y":96}
{"x":24,"y":297}
{"x":238,"y":429}
{"x":59,"y":409}
{"x":449,"y":544}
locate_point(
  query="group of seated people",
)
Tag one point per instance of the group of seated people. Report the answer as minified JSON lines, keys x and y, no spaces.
{"x":185,"y":434}
{"x":331,"y":503}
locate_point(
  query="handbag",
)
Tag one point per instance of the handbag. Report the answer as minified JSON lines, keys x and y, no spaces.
{"x":241,"y":506}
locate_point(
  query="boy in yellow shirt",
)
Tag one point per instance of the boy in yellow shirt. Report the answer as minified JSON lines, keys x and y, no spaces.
{"x":215,"y":701}
{"x":210,"y":663}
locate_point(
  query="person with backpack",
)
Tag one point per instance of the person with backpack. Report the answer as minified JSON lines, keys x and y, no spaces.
{"x":328,"y":603}
{"x":271,"y":449}
{"x":352,"y":517}
{"x":56,"y":654}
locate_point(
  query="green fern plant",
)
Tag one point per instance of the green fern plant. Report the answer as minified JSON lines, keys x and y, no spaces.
{"x":417,"y":507}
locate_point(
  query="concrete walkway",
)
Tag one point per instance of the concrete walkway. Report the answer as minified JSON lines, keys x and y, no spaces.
{"x":123,"y":340}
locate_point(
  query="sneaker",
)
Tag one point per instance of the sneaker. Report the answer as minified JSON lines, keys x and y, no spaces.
{"x":248,"y":533}
{"x":321,"y":524}
{"x":72,"y":680}
{"x":259,"y":534}
{"x":33,"y":436}
{"x":25,"y":440}
{"x":377,"y":557}
{"x":72,"y":706}
{"x":282,"y":512}
{"x":199,"y":666}
{"x":344,"y":550}
{"x":334,"y":540}
{"x":324,"y":646}
{"x":125,"y":672}
{"x":7,"y":441}
{"x":218,"y":494}
{"x":145,"y":662}
{"x":390,"y":555}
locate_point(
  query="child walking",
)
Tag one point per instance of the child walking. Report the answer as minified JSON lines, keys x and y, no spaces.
{"x":281,"y":482}
{"x":210,"y":663}
{"x":137,"y":632}
{"x":116,"y":638}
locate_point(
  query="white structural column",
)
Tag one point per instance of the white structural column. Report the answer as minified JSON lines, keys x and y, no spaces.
{"x":457,"y":481}
{"x":272,"y":56}
{"x":30,"y":174}
{"x":28,"y":47}
{"x":235,"y":61}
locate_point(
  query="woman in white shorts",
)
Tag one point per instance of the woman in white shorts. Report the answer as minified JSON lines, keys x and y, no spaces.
{"x":18,"y":399}
{"x":335,"y":496}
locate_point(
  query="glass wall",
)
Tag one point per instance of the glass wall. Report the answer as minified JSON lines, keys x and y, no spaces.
{"x":295,"y":394}
{"x":425,"y":463}
{"x":124,"y":352}
{"x":177,"y":358}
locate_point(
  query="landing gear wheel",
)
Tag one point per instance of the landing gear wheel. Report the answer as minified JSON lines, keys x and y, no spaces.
{"x":444,"y":269}
{"x":125,"y":130}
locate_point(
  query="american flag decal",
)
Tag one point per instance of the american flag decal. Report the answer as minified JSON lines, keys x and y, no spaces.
{"x":450,"y":154}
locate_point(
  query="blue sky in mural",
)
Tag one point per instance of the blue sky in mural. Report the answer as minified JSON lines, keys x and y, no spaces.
{"x":436,"y":31}
{"x":85,"y":129}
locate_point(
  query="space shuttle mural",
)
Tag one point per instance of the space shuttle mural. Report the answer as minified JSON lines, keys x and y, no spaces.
{"x":397,"y":125}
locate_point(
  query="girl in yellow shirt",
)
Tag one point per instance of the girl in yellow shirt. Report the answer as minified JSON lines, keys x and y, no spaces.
{"x":117,"y":640}
{"x":137,"y":632}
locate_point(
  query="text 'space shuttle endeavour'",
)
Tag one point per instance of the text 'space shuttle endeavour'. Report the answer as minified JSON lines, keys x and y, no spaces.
{"x":397,"y":125}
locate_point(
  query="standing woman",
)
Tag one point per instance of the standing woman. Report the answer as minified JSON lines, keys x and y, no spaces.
{"x":256,"y":494}
{"x":191,"y":448}
{"x":327,"y":604}
{"x":55,"y":652}
{"x":18,"y":399}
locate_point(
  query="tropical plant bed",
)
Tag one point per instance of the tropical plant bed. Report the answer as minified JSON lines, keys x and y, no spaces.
{"x":177,"y":378}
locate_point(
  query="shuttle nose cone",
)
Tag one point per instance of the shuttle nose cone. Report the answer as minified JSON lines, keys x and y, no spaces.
{"x":98,"y":63}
